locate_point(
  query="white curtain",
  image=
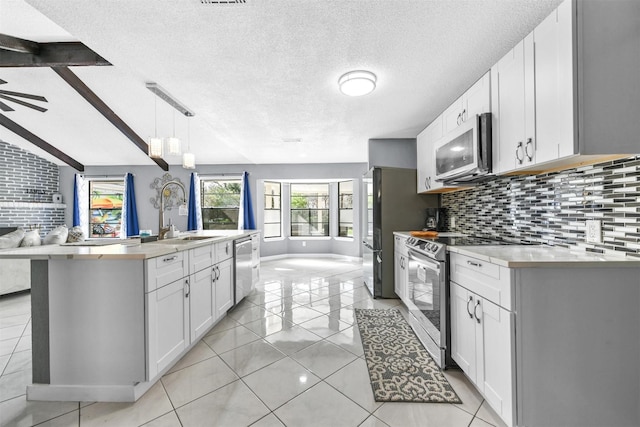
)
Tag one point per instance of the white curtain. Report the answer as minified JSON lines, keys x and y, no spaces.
{"x":82,"y":186}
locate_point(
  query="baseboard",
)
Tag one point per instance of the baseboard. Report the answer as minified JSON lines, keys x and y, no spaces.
{"x":334,"y":256}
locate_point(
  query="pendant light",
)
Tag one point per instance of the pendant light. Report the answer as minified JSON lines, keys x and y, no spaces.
{"x":174,"y":147}
{"x":155,"y":143}
{"x":188,"y":158}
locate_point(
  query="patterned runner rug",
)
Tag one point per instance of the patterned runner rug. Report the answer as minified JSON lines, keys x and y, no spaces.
{"x":400,"y":368}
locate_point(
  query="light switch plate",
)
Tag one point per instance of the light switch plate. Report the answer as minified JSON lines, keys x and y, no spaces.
{"x":593,"y":231}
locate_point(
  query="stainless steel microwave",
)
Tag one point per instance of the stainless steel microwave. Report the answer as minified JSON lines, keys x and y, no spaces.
{"x":464,"y":154}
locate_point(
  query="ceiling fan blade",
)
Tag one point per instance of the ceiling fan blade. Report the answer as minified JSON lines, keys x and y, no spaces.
{"x":26,"y":104}
{"x":5,"y":107}
{"x":24,"y":95}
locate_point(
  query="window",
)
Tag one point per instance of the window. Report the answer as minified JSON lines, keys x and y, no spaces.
{"x":309,"y":210}
{"x":220,"y":203}
{"x":105,"y":208}
{"x":272,"y":209}
{"x":345,"y":209}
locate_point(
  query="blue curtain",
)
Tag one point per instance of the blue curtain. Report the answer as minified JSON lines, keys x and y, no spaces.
{"x":76,"y":202}
{"x":192,"y":219}
{"x":249,"y":222}
{"x":132,"y":212}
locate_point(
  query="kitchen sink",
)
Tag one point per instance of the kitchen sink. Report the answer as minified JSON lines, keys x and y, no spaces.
{"x":197,"y":237}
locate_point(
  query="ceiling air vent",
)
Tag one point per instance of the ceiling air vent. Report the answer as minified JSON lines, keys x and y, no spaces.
{"x":223,"y":2}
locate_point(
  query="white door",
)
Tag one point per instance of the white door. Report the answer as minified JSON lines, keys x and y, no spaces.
{"x":515,"y":108}
{"x":223,"y":287}
{"x":554,"y":85}
{"x":496,"y":328}
{"x":477,"y":99}
{"x":463,"y":330}
{"x":168,"y":324}
{"x":453,"y":116}
{"x":202,"y":303}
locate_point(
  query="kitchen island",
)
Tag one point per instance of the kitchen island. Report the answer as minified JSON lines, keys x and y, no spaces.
{"x":548,"y":335}
{"x":108,"y":321}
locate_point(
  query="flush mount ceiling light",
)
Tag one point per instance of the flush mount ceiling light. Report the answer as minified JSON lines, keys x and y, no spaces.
{"x":357,"y":83}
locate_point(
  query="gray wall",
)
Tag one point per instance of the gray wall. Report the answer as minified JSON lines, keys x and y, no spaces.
{"x":148,"y":215}
{"x":396,"y":153}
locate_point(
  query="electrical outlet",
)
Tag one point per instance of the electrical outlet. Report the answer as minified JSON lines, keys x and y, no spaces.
{"x":593,"y":231}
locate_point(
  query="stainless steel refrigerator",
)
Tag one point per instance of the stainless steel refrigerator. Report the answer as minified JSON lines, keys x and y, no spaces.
{"x":392,"y":204}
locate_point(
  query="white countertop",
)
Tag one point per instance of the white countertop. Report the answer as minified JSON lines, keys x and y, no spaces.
{"x":129,"y":249}
{"x":526,"y":256}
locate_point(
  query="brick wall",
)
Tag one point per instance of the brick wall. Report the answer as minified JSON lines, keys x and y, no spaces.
{"x":27,"y":184}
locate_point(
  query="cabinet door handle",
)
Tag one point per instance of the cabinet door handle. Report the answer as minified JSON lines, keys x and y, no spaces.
{"x":475,"y":311}
{"x":475,"y":264}
{"x":519,"y":149}
{"x":469,"y":311}
{"x":458,"y":119}
{"x":526,"y":149}
{"x":464,"y":115}
{"x":171,"y":258}
{"x":217,"y":273}
{"x":187,"y":288}
{"x":427,"y":183}
{"x":226,"y":249}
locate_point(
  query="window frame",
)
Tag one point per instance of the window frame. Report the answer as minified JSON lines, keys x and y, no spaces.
{"x":90,"y":214}
{"x":340,"y":209}
{"x":204,"y":209}
{"x":265,"y":209}
{"x":326,"y":225}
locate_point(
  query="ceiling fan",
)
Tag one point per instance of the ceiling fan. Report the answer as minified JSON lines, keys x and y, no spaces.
{"x":13,"y":97}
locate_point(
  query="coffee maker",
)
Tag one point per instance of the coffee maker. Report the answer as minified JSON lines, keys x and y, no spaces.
{"x":436,"y":219}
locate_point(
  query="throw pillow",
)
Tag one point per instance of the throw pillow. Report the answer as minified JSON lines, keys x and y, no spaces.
{"x":75,"y":235}
{"x":11,"y":240}
{"x":56,"y":236}
{"x":31,"y":238}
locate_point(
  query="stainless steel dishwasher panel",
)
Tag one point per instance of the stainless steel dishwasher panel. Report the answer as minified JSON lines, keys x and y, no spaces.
{"x":244,"y":283}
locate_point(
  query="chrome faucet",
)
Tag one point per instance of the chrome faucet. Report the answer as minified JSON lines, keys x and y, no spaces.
{"x":162,"y":230}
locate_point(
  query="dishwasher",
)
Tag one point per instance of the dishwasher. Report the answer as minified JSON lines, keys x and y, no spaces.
{"x":243,"y":266}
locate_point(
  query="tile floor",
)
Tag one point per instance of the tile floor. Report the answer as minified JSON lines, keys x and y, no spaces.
{"x":290,"y":354}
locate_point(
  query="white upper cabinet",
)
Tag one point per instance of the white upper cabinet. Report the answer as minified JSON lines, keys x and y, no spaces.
{"x":426,"y":160}
{"x":514,"y":108}
{"x":566,"y":95}
{"x":476,"y":100}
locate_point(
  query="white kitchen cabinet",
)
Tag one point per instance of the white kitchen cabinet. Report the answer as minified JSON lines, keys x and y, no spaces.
{"x":223,"y":250}
{"x":202,"y":302}
{"x":482,"y":329}
{"x":513,"y":108}
{"x":167,"y":325}
{"x":401,"y":267}
{"x":223,"y":285}
{"x":476,"y":100}
{"x":556,"y":102}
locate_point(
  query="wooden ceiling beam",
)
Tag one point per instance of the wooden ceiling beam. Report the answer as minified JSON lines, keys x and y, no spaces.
{"x":51,"y":55}
{"x":93,"y":99}
{"x":39,"y":142}
{"x":15,"y":44}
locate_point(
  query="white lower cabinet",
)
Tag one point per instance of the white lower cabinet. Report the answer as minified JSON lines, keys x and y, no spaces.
{"x":223,"y":285}
{"x":167,"y":324}
{"x":401,"y":267}
{"x":481,"y":344}
{"x":201,"y":302}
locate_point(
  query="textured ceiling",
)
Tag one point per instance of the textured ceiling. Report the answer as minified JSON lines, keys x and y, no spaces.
{"x":258,"y":74}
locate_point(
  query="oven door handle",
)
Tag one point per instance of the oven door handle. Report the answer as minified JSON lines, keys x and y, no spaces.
{"x":422,"y":259}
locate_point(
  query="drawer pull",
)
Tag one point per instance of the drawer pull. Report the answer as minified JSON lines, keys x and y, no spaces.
{"x":475,"y":264}
{"x":171,"y":258}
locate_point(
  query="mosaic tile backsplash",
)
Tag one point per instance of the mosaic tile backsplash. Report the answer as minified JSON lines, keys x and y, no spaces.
{"x":552,"y":208}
